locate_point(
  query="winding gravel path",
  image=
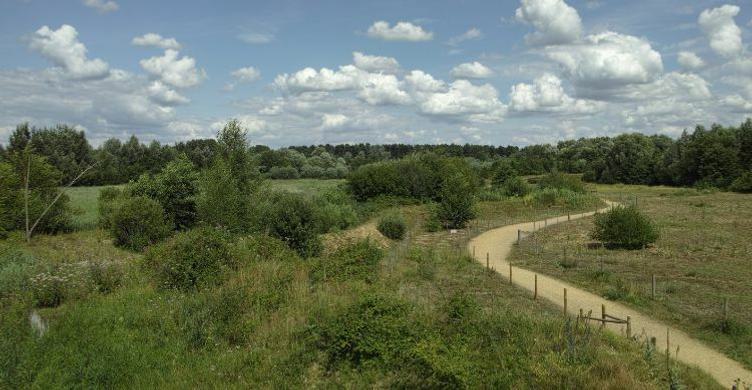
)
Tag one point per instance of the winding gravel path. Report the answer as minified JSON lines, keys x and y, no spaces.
{"x":498,"y":244}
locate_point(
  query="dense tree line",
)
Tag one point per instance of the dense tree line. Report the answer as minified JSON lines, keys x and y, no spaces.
{"x":719,"y":156}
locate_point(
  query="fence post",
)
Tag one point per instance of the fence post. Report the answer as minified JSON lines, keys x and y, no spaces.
{"x":519,"y":235}
{"x":603,"y":315}
{"x":488,"y":257}
{"x":629,"y":327}
{"x":510,"y":273}
{"x":565,"y":301}
{"x":535,"y":291}
{"x":569,"y":217}
{"x":652,"y":290}
{"x":668,"y":350}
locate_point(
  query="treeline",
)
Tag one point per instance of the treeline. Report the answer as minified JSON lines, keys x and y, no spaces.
{"x":719,"y":157}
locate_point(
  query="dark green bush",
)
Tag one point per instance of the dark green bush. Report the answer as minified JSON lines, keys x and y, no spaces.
{"x":624,"y":227}
{"x":283,"y":173}
{"x":561,"y":181}
{"x":292,"y":218}
{"x":359,"y":260}
{"x":392,"y":226}
{"x":107,"y":203}
{"x":138,"y":222}
{"x":191,"y":260}
{"x":175,"y":188}
{"x":503,"y":170}
{"x":456,"y":201}
{"x":516,"y":186}
{"x":220,"y":202}
{"x":742,"y":184}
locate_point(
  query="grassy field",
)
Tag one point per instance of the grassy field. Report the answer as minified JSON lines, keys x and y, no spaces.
{"x":701,"y":259}
{"x":425,"y":315}
{"x":305,"y":185}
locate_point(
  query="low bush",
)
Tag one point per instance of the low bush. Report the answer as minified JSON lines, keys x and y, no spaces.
{"x":261,"y":247}
{"x":549,"y":197}
{"x":561,"y":181}
{"x":358,"y":260}
{"x":107,"y":202}
{"x":190,"y":260}
{"x":456,"y":204}
{"x":283,"y":173}
{"x":293,"y":219}
{"x":335,"y":210}
{"x":138,"y":222}
{"x":624,"y":227}
{"x":392,"y":226}
{"x":515,"y":186}
{"x":742,"y":184}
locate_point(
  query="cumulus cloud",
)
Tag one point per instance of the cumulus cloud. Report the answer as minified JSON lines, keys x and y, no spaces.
{"x":421,"y":81}
{"x":555,"y":21}
{"x":471,"y":70}
{"x":331,"y":121}
{"x":689,"y":60}
{"x":62,"y":47}
{"x":402,"y":31}
{"x":156,"y":40}
{"x":246,"y":74}
{"x":738,"y":104}
{"x":468,"y":35}
{"x":177,"y":72}
{"x":546,"y":94}
{"x":608,"y":60}
{"x":162,"y":94}
{"x":464,"y":98}
{"x":719,"y":27}
{"x":375,"y":63}
{"x":101,"y":5}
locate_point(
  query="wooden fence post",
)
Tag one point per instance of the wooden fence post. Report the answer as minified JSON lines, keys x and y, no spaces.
{"x":510,"y":273}
{"x":565,"y":301}
{"x":652,"y":289}
{"x":535,"y":291}
{"x":569,"y":217}
{"x":603,"y":315}
{"x":668,"y":349}
{"x":629,"y":327}
{"x":519,"y":235}
{"x":488,"y":257}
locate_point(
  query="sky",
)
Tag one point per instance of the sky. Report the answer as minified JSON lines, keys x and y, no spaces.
{"x":298,"y":72}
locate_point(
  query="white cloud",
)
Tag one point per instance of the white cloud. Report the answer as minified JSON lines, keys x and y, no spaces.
{"x":156,"y":40}
{"x":689,"y":60}
{"x":546,"y":94}
{"x":608,"y":60}
{"x":402,"y":31}
{"x":256,"y":38}
{"x":101,"y":5}
{"x":164,"y":95}
{"x":375,"y":63}
{"x":724,"y":35}
{"x":423,"y":82}
{"x":62,"y":47}
{"x":463,"y":98}
{"x":468,"y":35}
{"x":246,"y":74}
{"x":180,"y":73}
{"x":471,"y":70}
{"x":736,"y":103}
{"x":555,"y":21}
{"x":331,"y":121}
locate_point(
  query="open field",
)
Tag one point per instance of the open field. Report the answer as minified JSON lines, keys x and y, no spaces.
{"x":305,"y":185}
{"x":83,"y":200}
{"x":701,"y":259}
{"x":458,"y":325}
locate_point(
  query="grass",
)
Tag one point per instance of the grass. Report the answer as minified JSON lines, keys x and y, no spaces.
{"x":424,"y":315}
{"x":83,"y":200}
{"x":700,"y":259}
{"x":305,"y":185}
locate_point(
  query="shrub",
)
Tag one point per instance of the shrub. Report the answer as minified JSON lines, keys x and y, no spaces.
{"x":358,"y":260}
{"x":292,"y":218}
{"x":283,"y":173}
{"x":335,"y":210}
{"x":220,"y":202}
{"x":515,"y":186}
{"x":106,"y":205}
{"x":457,"y":200}
{"x":624,"y":227}
{"x":503,"y":170}
{"x":190,"y":260}
{"x":392,"y":226}
{"x":175,"y":188}
{"x":742,"y":183}
{"x":260,"y":247}
{"x":561,"y":181}
{"x":138,"y":222}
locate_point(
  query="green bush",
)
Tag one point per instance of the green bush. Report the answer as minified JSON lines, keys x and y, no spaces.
{"x":359,"y":260}
{"x":335,"y":210}
{"x":742,"y":184}
{"x":175,"y":188}
{"x":292,"y":218}
{"x":107,"y":203}
{"x":261,"y":247}
{"x":220,"y":202}
{"x":456,"y":201}
{"x":561,"y":181}
{"x":392,"y":226}
{"x":516,"y":186}
{"x":503,"y":170}
{"x":138,"y":222}
{"x":190,"y":260}
{"x":624,"y":227}
{"x":283,"y":173}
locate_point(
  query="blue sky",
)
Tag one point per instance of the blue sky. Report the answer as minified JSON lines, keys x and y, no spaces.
{"x":301,"y":72}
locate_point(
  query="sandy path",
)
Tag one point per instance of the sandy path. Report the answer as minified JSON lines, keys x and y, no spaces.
{"x":498,"y":243}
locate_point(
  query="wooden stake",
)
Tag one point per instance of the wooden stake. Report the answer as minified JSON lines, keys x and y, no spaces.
{"x":519,"y":235}
{"x":565,"y":301}
{"x":668,"y":349}
{"x":535,"y":292}
{"x":488,"y":264}
{"x":629,"y":327}
{"x":569,"y":217}
{"x":603,"y":315}
{"x":510,"y":273}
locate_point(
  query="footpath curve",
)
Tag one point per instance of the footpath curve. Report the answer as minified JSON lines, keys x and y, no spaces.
{"x":498,"y":244}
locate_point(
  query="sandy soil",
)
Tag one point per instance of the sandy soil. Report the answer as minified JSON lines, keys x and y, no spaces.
{"x":497,"y":243}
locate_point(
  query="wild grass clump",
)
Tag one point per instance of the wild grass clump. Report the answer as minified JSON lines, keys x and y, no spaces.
{"x":624,"y":227}
{"x":357,"y":260}
{"x":392,"y":226}
{"x":138,"y":222}
{"x":549,"y":197}
{"x":742,"y":184}
{"x":191,"y":260}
